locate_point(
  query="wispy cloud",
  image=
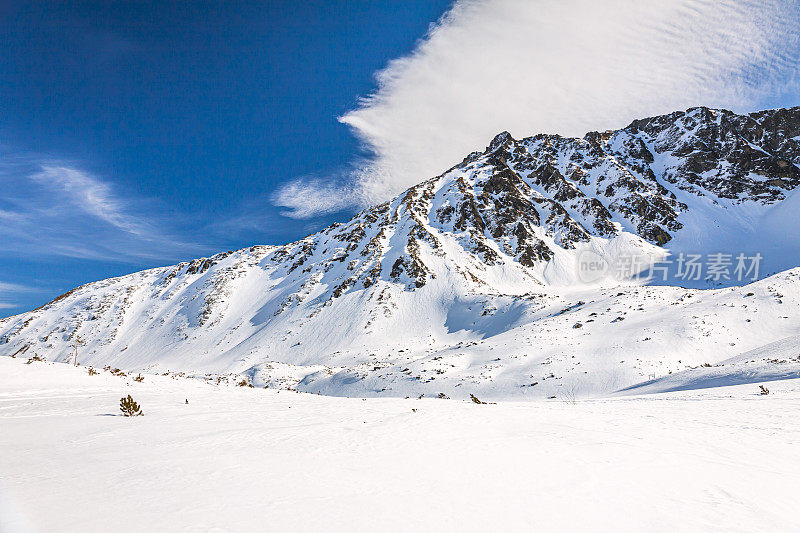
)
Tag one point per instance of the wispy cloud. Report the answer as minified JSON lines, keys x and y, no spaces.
{"x":13,"y":287}
{"x":307,"y":197}
{"x":8,"y":290}
{"x":52,"y":208}
{"x":85,"y":192}
{"x":568,"y":67}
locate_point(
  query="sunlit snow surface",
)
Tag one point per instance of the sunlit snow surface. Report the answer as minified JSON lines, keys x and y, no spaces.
{"x":245,"y":459}
{"x":434,"y":340}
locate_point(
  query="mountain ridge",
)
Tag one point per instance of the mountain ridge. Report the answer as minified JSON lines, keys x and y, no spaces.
{"x":483,"y":250}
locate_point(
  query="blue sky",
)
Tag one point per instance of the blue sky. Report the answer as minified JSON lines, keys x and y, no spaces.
{"x":140,"y":134}
{"x":172,"y":123}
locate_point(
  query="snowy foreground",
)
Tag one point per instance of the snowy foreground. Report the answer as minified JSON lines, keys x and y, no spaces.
{"x":238,"y":458}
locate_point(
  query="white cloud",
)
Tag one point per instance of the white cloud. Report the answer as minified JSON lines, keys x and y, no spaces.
{"x":307,"y":197}
{"x":11,"y":288}
{"x":87,"y":193}
{"x":56,"y":209}
{"x":568,"y":67}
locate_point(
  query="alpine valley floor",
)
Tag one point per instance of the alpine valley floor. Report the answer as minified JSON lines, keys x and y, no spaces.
{"x":240,"y":458}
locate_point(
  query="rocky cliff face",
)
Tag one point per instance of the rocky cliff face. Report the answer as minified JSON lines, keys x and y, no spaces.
{"x":474,"y":253}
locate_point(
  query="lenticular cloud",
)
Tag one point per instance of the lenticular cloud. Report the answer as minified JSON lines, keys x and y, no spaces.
{"x":566,"y":67}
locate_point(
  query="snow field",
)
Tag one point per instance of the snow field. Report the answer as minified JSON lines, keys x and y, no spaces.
{"x":238,"y":458}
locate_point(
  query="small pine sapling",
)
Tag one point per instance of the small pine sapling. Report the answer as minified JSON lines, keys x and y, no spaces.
{"x":129,"y":407}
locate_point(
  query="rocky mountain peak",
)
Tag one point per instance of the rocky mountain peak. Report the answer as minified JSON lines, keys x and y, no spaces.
{"x":502,"y":229}
{"x":501,"y":139}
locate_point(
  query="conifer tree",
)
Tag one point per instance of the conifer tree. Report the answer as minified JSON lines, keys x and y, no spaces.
{"x":129,"y":407}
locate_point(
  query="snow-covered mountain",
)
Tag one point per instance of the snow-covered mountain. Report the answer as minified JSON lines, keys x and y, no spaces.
{"x":474,"y":281}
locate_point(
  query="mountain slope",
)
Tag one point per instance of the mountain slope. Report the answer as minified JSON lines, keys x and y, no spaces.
{"x":471,"y":281}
